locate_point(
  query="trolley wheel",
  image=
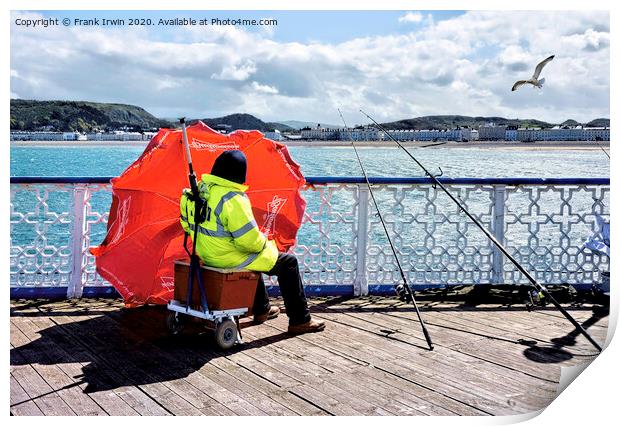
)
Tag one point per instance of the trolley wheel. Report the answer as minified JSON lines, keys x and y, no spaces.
{"x":175,"y":323}
{"x":226,"y":334}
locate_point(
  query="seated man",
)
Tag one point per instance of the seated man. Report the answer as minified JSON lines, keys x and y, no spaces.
{"x":229,"y":238}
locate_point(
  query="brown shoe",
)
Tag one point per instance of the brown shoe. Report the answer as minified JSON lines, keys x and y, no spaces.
{"x":311,"y":326}
{"x":273,"y":312}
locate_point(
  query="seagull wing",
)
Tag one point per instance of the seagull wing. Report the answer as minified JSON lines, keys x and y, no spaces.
{"x":540,"y":66}
{"x":518,"y":84}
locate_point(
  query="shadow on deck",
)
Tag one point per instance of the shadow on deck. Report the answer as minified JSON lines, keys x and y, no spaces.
{"x":93,"y":357}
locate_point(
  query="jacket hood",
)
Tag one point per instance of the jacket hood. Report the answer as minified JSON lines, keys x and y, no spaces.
{"x":209,"y":178}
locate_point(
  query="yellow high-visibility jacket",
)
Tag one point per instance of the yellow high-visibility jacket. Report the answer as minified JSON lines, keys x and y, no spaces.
{"x":229,"y":237}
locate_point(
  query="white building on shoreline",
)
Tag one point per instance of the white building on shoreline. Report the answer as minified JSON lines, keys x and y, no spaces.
{"x":75,"y":136}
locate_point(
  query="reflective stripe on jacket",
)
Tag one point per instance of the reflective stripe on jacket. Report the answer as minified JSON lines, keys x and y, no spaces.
{"x":229,"y":237}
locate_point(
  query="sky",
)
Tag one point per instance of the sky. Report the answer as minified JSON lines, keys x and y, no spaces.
{"x":392,"y":64}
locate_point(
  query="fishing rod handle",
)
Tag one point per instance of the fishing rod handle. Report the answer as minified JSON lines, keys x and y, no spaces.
{"x":186,"y":143}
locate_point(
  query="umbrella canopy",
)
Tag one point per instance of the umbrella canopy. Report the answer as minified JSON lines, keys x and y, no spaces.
{"x":145,"y":236}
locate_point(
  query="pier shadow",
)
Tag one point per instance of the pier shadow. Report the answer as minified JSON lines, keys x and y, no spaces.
{"x":127,"y":347}
{"x":555,"y":352}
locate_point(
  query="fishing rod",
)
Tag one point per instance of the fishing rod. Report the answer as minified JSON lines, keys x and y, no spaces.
{"x":541,"y":288}
{"x":603,"y":149}
{"x":403,"y":289}
{"x":199,"y":207}
{"x":598,"y":144}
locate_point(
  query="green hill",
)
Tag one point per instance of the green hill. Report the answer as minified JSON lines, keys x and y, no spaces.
{"x":443,"y":122}
{"x":245,"y":122}
{"x":65,"y":116}
{"x":599,"y":122}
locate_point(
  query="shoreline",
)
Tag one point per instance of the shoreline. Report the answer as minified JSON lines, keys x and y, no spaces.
{"x":502,"y":145}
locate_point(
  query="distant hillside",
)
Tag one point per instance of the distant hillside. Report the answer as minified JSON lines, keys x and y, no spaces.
{"x":442,"y":122}
{"x":296,"y":124}
{"x":599,"y":122}
{"x":245,"y":122}
{"x":65,"y":116}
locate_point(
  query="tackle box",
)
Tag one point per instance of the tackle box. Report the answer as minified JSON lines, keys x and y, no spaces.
{"x":224,"y":288}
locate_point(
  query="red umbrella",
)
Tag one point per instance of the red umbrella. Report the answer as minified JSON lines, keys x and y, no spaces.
{"x":144,"y":234}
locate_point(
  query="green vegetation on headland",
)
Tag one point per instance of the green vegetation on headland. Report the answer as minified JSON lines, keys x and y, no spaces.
{"x":445,"y":122}
{"x":246,"y":122}
{"x":78,"y":116}
{"x":69,"y":116}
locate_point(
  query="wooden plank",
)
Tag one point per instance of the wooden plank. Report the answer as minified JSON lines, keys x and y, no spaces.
{"x":38,"y":391}
{"x":506,"y":355}
{"x":203,"y":390}
{"x":357,"y":380}
{"x":504,"y":376}
{"x":503,"y":354}
{"x":255,"y":379}
{"x":133,"y":396}
{"x":44,"y":353}
{"x":424,"y":399}
{"x":335,"y":379}
{"x":486,"y":387}
{"x":157,"y":369}
{"x":21,"y":404}
{"x":102,"y":387}
{"x":261,"y":401}
{"x":376,"y":356}
{"x":343,"y":377}
{"x":152,"y":398}
{"x":225,"y":388}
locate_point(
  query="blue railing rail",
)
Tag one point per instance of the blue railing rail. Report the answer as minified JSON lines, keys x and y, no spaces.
{"x":325,"y":180}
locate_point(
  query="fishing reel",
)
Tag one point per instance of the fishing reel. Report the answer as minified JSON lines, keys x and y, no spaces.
{"x":403,"y":294}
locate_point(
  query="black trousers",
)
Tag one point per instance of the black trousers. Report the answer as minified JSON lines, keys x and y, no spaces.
{"x":291,"y":288}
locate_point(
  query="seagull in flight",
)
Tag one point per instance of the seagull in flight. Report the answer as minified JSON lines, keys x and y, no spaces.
{"x":534,"y":81}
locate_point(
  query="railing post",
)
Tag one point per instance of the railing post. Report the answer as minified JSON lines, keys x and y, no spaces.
{"x":360,"y":288}
{"x":78,"y":237}
{"x":499,"y":205}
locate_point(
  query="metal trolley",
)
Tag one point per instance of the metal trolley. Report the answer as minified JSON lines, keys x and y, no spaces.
{"x":227,"y":330}
{"x":230,"y":292}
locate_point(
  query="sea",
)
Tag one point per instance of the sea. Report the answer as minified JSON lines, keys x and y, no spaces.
{"x":337,"y":161}
{"x":454,"y":162}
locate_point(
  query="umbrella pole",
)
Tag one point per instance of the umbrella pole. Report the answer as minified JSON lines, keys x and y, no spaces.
{"x":194,"y":263}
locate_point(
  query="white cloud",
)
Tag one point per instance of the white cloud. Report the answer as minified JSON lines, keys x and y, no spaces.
{"x":414,"y":17}
{"x":234,"y":72}
{"x":463,"y":65}
{"x":263,"y":88}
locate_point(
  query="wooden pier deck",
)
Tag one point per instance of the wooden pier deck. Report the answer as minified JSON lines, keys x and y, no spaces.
{"x":92,"y":357}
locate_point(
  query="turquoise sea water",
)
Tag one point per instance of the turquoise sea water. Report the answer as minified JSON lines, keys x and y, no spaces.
{"x":314,"y":161}
{"x":337,"y":161}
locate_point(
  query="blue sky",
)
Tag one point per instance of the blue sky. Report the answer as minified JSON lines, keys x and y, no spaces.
{"x":396,"y":64}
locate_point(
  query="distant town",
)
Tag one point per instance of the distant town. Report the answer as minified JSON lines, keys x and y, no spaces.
{"x":487,"y":132}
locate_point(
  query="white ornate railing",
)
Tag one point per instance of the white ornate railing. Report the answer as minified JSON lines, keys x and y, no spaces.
{"x":544,"y":223}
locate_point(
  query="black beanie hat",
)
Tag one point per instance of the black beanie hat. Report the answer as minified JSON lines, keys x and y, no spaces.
{"x":231,"y":165}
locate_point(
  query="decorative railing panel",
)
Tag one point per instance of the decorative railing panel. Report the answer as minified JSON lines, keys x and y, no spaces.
{"x":544,"y":223}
